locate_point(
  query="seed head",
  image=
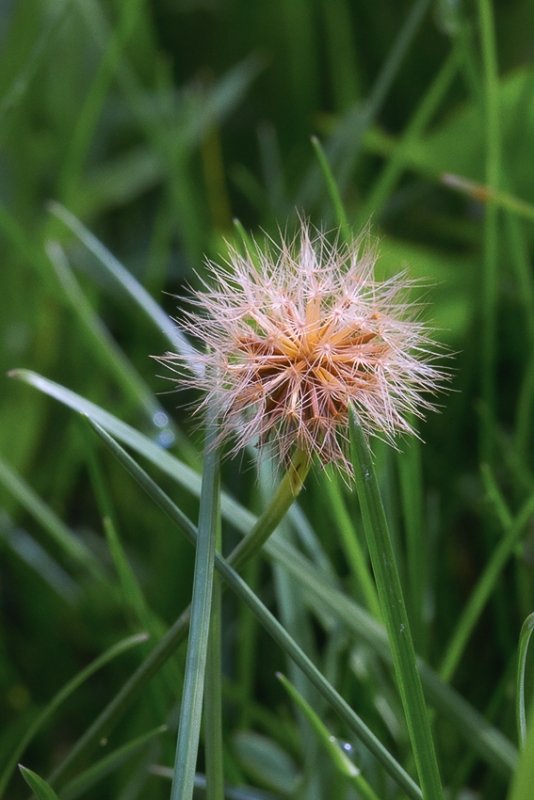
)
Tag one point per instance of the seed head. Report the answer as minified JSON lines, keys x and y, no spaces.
{"x":294,"y":334}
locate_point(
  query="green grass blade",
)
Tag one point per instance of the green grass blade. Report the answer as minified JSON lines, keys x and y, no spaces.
{"x":197,"y":646}
{"x":524,"y":639}
{"x":394,"y":613}
{"x":468,"y":723}
{"x":71,"y":546}
{"x":38,"y":785}
{"x":102,"y":345}
{"x":491,"y":253}
{"x":411,"y":486}
{"x":87,"y":779}
{"x":339,"y":758}
{"x":213,"y":728}
{"x":120,"y":430}
{"x":482,"y":592}
{"x":345,"y":144}
{"x":125,"y":280}
{"x":349,"y":540}
{"x":333,"y":191}
{"x":523,"y":780}
{"x":395,"y":165}
{"x":101,"y":661}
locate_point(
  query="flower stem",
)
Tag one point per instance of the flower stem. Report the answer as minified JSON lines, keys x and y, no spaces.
{"x":288,"y":489}
{"x":394,"y":614}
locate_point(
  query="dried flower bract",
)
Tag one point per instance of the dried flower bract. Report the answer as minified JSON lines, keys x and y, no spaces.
{"x":294,"y":334}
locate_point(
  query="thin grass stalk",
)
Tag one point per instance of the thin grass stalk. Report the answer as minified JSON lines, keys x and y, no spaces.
{"x":493,"y":176}
{"x":394,"y":614}
{"x":197,"y":647}
{"x":213,"y":729}
{"x":524,"y":639}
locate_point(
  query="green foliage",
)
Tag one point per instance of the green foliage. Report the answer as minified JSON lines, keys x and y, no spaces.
{"x":133,"y":136}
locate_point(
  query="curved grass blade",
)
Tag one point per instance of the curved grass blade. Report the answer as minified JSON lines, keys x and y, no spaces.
{"x":523,"y":781}
{"x":72,"y":547}
{"x":339,"y":757}
{"x":100,"y":769}
{"x":524,"y":639}
{"x":102,"y":344}
{"x":113,"y":652}
{"x":125,"y":279}
{"x":480,"y":595}
{"x":120,"y":430}
{"x":38,"y":785}
{"x":333,"y":191}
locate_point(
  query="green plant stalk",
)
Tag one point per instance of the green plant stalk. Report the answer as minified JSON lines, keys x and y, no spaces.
{"x":394,"y":614}
{"x":493,"y":175}
{"x":288,"y":488}
{"x":213,"y":737}
{"x":523,"y":779}
{"x":197,"y":647}
{"x":524,"y":639}
{"x":354,"y":552}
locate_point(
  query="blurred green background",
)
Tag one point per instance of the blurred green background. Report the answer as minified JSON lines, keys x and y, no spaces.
{"x":156,"y":124}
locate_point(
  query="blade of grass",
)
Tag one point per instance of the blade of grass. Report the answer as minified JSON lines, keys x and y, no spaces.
{"x":213,"y":733}
{"x":339,"y":758}
{"x":37,"y":784}
{"x":71,"y":546}
{"x":99,"y":339}
{"x":492,"y":130}
{"x":411,"y":485}
{"x":514,"y":529}
{"x":426,"y":109}
{"x":197,"y":646}
{"x":101,"y":661}
{"x":486,"y":740}
{"x":125,"y":280}
{"x":523,"y":780}
{"x":87,"y":779}
{"x":352,"y":549}
{"x":344,"y":146}
{"x":394,"y":613}
{"x":333,"y":191}
{"x":524,"y":639}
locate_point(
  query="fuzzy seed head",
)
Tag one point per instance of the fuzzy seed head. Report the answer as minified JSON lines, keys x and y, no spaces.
{"x":295,"y":334}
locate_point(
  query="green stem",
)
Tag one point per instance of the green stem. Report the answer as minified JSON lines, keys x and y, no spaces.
{"x":197,"y":646}
{"x":213,"y":738}
{"x":491,"y":123}
{"x":288,"y":488}
{"x":524,"y":639}
{"x":394,"y":614}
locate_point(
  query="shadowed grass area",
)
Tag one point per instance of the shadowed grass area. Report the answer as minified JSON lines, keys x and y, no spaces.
{"x":134,"y":135}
